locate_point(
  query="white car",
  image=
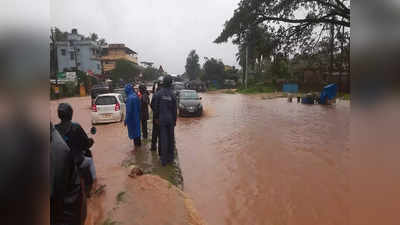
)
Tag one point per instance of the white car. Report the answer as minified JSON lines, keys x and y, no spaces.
{"x":108,"y":108}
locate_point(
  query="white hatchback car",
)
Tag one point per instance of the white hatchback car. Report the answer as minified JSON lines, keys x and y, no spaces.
{"x":108,"y":108}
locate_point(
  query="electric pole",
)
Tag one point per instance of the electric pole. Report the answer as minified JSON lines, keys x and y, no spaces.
{"x":246,"y":72}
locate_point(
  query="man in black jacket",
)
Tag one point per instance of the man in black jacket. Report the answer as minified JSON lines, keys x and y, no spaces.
{"x":67,"y":200}
{"x":164,"y":106}
{"x":155,"y":130}
{"x":79,"y":143}
{"x":144,"y":109}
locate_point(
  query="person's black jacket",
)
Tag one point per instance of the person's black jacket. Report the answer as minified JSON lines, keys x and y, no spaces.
{"x":164,"y":107}
{"x":66,"y":198}
{"x":144,"y":109}
{"x":79,"y":143}
{"x":75,"y":137}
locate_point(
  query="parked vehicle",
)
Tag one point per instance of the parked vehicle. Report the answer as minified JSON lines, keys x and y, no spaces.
{"x":108,"y":108}
{"x":177,"y":86}
{"x":189,"y":103}
{"x":98,"y":90}
{"x":121,"y":91}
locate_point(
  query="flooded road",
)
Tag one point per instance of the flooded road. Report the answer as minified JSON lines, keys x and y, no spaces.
{"x":245,"y":161}
{"x":253,"y":161}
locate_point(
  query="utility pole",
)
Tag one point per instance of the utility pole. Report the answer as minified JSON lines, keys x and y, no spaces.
{"x":246,"y":72}
{"x":54,"y":60}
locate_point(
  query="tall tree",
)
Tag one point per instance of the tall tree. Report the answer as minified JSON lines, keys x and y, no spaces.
{"x":94,"y":37}
{"x":192,"y":66}
{"x":102,"y":42}
{"x":125,"y":70}
{"x":294,"y":22}
{"x":214,"y":70}
{"x":59,"y":35}
{"x":150,"y":73}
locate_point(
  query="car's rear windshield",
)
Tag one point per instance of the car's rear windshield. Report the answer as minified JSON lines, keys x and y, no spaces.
{"x":106,"y":100}
{"x":95,"y":93}
{"x":188,"y":94}
{"x":179,"y":87}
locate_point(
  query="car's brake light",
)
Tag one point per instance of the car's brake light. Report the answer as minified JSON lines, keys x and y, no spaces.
{"x":117,"y":107}
{"x":94,"y":108}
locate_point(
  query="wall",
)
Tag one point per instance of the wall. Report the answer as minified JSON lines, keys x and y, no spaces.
{"x":84,"y":56}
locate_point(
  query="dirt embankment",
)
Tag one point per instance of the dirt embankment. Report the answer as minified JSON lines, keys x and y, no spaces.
{"x":146,"y":200}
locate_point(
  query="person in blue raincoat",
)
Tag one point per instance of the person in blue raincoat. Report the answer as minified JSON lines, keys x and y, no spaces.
{"x":132,"y":118}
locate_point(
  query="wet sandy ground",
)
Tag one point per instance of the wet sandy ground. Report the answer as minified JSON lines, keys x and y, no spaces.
{"x":246,"y":161}
{"x":254,"y":161}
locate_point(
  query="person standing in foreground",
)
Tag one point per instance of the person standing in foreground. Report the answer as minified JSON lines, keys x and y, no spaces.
{"x":165,"y":116}
{"x":155,"y":130}
{"x":79,"y":143}
{"x":144,"y":109}
{"x":67,"y":201}
{"x":132,"y":117}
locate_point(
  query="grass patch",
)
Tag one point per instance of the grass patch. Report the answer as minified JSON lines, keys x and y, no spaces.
{"x":120,"y":197}
{"x":229,"y":91}
{"x":346,"y":97}
{"x":257,"y":89}
{"x":212,"y":88}
{"x":109,"y":221}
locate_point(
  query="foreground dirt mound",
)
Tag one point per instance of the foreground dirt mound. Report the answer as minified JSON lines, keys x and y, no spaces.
{"x":149,"y":200}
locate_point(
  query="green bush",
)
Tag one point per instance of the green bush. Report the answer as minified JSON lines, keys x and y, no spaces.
{"x":259,"y":88}
{"x":69,"y":89}
{"x":346,"y":97}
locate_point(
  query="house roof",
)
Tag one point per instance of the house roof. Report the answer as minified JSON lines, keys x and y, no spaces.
{"x":121,"y":46}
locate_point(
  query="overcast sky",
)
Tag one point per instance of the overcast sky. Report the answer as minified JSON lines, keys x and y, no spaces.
{"x":161,"y":31}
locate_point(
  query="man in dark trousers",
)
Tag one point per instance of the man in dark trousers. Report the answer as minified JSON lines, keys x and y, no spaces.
{"x":144,"y":109}
{"x":165,"y":116}
{"x":156,"y":130}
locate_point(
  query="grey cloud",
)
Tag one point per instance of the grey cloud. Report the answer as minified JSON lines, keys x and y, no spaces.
{"x":160,"y":31}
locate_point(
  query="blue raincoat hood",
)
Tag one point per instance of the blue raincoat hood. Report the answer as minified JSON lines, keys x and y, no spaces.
{"x":128,"y":89}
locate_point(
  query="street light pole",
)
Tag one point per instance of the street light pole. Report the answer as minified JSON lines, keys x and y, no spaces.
{"x":246,"y":73}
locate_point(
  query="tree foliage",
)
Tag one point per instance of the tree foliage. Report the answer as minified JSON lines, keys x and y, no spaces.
{"x":150,"y":73}
{"x":125,"y":70}
{"x":214,"y":70}
{"x":273,"y":31}
{"x":294,"y":23}
{"x":192,"y":66}
{"x":59,"y":35}
{"x":94,"y":37}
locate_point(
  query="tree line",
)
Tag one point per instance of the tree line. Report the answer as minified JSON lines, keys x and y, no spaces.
{"x":212,"y":70}
{"x":284,"y":37}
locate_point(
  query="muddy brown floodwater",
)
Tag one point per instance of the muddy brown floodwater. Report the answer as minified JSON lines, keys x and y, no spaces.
{"x":254,"y":161}
{"x":246,"y":161}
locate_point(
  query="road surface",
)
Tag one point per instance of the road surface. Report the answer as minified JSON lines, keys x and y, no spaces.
{"x":246,"y":161}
